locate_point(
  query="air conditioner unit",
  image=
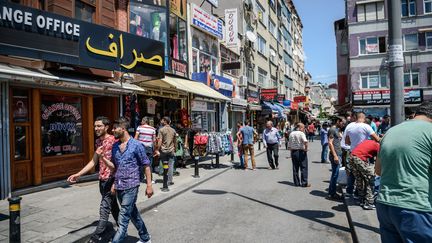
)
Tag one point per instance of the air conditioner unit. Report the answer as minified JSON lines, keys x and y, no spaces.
{"x":243,"y":81}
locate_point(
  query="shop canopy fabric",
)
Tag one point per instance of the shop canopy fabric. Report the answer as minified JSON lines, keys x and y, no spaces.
{"x":188,"y":86}
{"x":274,"y":108}
{"x":61,"y":80}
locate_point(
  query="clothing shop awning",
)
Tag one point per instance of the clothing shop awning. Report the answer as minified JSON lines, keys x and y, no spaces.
{"x":59,"y":80}
{"x":188,"y":86}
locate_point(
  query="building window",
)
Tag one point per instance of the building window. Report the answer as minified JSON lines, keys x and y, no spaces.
{"x":429,"y":76}
{"x":427,"y":6}
{"x":410,"y":42}
{"x":373,"y":80}
{"x":178,"y":38}
{"x":411,"y":79}
{"x":272,"y":4}
{"x":370,"y":11}
{"x":261,"y":14}
{"x":272,"y":55}
{"x":272,"y":28}
{"x":408,"y":8}
{"x":428,"y":40}
{"x":85,"y":10}
{"x":149,"y":21}
{"x":372,"y":45}
{"x":262,"y":45}
{"x":202,"y":59}
{"x":262,"y":76}
{"x":227,"y":56}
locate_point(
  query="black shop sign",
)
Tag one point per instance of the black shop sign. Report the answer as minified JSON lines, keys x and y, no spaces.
{"x":382,"y":97}
{"x":38,"y":34}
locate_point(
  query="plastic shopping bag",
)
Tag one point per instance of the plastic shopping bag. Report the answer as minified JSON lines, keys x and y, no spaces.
{"x":342,"y":178}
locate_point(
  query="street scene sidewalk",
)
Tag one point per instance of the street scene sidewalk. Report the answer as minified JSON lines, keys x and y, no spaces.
{"x":70,"y":213}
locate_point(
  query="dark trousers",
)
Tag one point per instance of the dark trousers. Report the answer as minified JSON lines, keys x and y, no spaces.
{"x":300,"y":161}
{"x":273,"y":151}
{"x":403,"y":225}
{"x":108,"y":204}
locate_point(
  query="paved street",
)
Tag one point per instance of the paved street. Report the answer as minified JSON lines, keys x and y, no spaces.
{"x":253,"y":206}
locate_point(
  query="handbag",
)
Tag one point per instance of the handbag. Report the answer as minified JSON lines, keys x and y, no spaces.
{"x":186,"y":154}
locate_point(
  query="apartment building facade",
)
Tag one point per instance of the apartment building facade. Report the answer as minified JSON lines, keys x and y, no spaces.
{"x":368,"y":40}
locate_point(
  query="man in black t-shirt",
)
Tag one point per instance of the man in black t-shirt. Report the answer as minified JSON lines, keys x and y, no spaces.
{"x":334,"y":138}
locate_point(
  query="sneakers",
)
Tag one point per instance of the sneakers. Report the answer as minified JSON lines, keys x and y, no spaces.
{"x":335,"y":197}
{"x":307,"y":185}
{"x":368,"y":206}
{"x":149,"y":241}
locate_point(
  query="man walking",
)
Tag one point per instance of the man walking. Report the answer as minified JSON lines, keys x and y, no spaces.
{"x":166,"y":141}
{"x":104,"y":144}
{"x":335,"y":156}
{"x":128,"y":156}
{"x":298,"y":144}
{"x":247,"y":133}
{"x":239,"y":145}
{"x":404,"y":204}
{"x":311,"y":132}
{"x":271,"y":143}
{"x":146,"y":134}
{"x":324,"y":143}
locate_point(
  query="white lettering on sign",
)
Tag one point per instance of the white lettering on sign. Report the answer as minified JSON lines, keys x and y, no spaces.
{"x":16,"y":16}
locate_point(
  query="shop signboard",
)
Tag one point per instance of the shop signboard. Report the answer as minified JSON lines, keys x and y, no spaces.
{"x":43,"y":35}
{"x":269,"y":94}
{"x":382,"y":97}
{"x":300,"y":99}
{"x":178,"y":7}
{"x":197,"y":105}
{"x":221,"y":84}
{"x":253,"y":97}
{"x":231,"y":36}
{"x":280,"y":98}
{"x":179,"y":68}
{"x":206,"y":22}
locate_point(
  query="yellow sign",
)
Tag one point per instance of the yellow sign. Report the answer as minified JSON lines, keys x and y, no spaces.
{"x":178,"y":7}
{"x":114,"y":52}
{"x":14,"y":207}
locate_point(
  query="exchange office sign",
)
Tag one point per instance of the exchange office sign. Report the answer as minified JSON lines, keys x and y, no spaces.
{"x":34,"y":33}
{"x":382,"y":97}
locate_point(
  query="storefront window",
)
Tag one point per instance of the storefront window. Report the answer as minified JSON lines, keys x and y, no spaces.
{"x":61,"y":124}
{"x":178,"y":38}
{"x":20,"y":139}
{"x":204,"y":58}
{"x":149,"y":21}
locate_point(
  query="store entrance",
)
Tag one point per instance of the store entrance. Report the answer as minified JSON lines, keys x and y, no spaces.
{"x":21,"y":145}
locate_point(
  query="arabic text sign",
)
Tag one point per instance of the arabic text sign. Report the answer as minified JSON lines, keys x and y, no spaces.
{"x":231,"y":27}
{"x":46,"y":36}
{"x":382,"y":97}
{"x":206,"y":21}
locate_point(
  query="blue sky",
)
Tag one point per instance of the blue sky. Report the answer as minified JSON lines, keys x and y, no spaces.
{"x":319,"y":43}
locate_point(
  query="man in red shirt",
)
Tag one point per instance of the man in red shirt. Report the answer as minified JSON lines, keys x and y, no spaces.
{"x":364,"y":171}
{"x":311,"y":132}
{"x":104,"y":144}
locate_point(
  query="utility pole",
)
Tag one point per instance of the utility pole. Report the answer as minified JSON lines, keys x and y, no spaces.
{"x":396,"y":62}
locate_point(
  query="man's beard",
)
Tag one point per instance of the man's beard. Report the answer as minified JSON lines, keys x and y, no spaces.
{"x":118,"y":135}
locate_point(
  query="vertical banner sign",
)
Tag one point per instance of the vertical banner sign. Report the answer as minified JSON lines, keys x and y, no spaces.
{"x":231,"y":27}
{"x":178,"y":7}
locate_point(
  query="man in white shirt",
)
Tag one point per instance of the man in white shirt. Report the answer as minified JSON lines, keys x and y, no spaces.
{"x":298,"y":144}
{"x":355,"y":133}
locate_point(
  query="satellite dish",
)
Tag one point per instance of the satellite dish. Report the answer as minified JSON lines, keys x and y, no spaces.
{"x":273,"y":53}
{"x":251,"y":36}
{"x":295,"y":53}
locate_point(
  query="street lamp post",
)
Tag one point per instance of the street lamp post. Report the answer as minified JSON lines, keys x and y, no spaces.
{"x":396,"y":62}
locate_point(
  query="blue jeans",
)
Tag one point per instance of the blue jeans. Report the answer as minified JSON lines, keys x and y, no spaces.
{"x":129,"y":211}
{"x":403,"y":225}
{"x":334,"y":175}
{"x":324,"y":153}
{"x":241,"y":161}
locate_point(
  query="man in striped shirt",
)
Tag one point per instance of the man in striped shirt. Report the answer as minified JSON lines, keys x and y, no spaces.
{"x":146,"y":134}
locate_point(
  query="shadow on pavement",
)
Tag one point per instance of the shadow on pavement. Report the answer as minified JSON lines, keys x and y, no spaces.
{"x":210,"y":192}
{"x":340,"y":208}
{"x":313,"y":215}
{"x":3,"y":217}
{"x":318,"y":193}
{"x":289,"y":183}
{"x":317,"y":162}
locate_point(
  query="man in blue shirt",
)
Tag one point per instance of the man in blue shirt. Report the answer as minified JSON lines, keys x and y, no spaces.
{"x":324,"y":143}
{"x":248,"y":143}
{"x":271,"y":143}
{"x":128,"y":156}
